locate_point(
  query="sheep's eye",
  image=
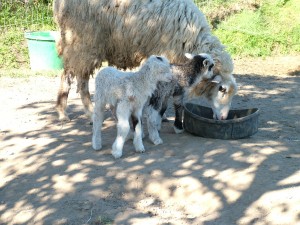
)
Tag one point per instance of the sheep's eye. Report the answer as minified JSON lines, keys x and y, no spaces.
{"x":222,"y":89}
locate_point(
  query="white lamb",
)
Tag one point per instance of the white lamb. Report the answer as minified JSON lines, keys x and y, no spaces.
{"x":127,"y":92}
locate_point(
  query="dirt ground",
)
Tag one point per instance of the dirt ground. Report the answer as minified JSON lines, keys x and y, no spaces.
{"x":49,"y":173}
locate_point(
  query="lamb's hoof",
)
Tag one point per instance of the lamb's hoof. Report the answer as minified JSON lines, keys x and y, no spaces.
{"x":116,"y":154}
{"x":157,"y":141}
{"x":141,"y":149}
{"x":97,"y":147}
{"x":178,"y":131}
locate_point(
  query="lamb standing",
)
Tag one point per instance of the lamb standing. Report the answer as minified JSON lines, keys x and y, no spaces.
{"x":127,"y":92}
{"x":124,"y":32}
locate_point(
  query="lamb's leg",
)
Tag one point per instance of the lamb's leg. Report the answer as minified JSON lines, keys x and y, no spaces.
{"x":123,"y":128}
{"x":86,"y":97}
{"x":153,"y":123}
{"x":178,"y":125}
{"x":62,"y":96}
{"x":98,"y":117}
{"x":138,"y":132}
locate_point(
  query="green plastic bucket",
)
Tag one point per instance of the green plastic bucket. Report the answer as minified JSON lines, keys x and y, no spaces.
{"x":42,"y":50}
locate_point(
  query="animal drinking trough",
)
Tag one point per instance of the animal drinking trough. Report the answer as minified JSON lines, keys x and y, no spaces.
{"x":240,"y":123}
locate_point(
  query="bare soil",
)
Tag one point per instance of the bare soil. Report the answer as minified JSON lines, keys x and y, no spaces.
{"x":49,"y":173}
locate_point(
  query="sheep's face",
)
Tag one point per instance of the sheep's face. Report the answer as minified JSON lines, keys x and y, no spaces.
{"x":161,"y":68}
{"x":219,"y":94}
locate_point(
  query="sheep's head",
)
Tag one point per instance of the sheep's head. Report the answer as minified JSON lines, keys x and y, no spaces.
{"x":219,"y":93}
{"x":160,"y":68}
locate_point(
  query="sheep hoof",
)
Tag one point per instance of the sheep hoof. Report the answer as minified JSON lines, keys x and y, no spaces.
{"x":116,"y":154}
{"x":140,"y":149}
{"x":157,"y":141}
{"x":63,"y":117}
{"x":97,"y":147}
{"x":178,"y":131}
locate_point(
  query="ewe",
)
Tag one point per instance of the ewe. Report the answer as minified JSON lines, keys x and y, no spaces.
{"x":124,"y":32}
{"x":127,"y":92}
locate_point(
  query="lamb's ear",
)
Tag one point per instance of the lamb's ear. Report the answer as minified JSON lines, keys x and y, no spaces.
{"x":158,"y":57}
{"x":189,"y":55}
{"x":206,"y":63}
{"x":217,"y":79}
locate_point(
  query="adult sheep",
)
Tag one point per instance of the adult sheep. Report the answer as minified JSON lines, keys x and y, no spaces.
{"x":124,"y":32}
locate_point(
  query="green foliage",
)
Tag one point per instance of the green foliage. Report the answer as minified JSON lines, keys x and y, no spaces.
{"x":272,"y":29}
{"x":17,"y":17}
{"x":247,"y":28}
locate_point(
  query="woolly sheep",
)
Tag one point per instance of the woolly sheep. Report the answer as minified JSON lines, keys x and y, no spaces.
{"x":124,"y":32}
{"x":127,"y":92}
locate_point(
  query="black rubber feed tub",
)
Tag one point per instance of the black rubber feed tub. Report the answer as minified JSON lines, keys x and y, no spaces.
{"x":199,"y":121}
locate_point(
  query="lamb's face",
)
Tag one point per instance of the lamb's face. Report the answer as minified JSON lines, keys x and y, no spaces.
{"x":219,"y":94}
{"x":161,"y":68}
{"x":203,"y":64}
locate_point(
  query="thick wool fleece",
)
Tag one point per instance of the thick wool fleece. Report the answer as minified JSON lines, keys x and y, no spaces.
{"x":124,"y":32}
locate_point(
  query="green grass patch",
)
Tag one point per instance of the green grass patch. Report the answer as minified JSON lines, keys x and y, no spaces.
{"x":252,"y":28}
{"x":16,"y":18}
{"x":273,"y":29}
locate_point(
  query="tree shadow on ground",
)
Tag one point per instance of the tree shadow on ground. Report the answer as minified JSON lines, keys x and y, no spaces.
{"x":51,"y":175}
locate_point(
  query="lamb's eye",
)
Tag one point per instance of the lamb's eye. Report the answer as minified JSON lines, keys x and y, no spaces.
{"x":222,"y":89}
{"x":159,"y":58}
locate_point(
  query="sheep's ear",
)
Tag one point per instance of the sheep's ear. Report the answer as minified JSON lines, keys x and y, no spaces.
{"x":189,"y":55}
{"x":217,"y":79}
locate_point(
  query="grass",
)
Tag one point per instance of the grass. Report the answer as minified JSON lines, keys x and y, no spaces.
{"x":15,"y":19}
{"x":272,"y":29}
{"x":252,"y":28}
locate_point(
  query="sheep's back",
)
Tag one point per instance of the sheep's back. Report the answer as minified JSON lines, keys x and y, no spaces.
{"x":126,"y":31}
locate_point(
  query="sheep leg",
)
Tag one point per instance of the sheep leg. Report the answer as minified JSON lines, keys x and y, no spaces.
{"x":123,"y":128}
{"x":86,"y":97}
{"x":178,"y":125}
{"x":62,"y":97}
{"x":153,"y":123}
{"x":138,"y":132}
{"x":98,"y":118}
